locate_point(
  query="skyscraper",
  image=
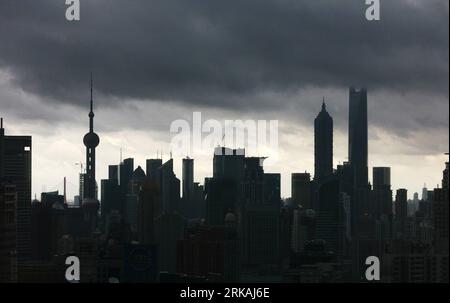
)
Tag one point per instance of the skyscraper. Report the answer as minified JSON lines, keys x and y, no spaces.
{"x":170,"y":188}
{"x":260,"y":213}
{"x":15,"y":168}
{"x":8,"y":206}
{"x":301,"y":190}
{"x":401,"y":204}
{"x":445,"y":178}
{"x":440,"y":215}
{"x":381,"y":201}
{"x":323,"y":145}
{"x":358,"y":136}
{"x":152,"y":166}
{"x":382,"y":193}
{"x":188,"y":179}
{"x":90,"y":203}
{"x":381,"y":177}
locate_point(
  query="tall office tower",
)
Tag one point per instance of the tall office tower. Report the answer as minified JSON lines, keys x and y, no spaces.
{"x":301,"y":190}
{"x":221,"y":197}
{"x":110,"y":194}
{"x":188,"y":179}
{"x":260,"y":213}
{"x":445,"y":179}
{"x":113,"y":173}
{"x":323,"y":145}
{"x":381,"y":177}
{"x":169,"y":229}
{"x":170,"y":188}
{"x":401,"y":212}
{"x":8,"y":206}
{"x":90,"y":203}
{"x":358,"y":136}
{"x":148,"y":209}
{"x":401,"y":204}
{"x":132,"y":199}
{"x":440,"y":215}
{"x":152,"y":166}
{"x":229,"y":164}
{"x":382,"y":193}
{"x":333,"y":221}
{"x":424,"y":193}
{"x":126,"y":169}
{"x":15,"y":167}
{"x":48,"y":225}
{"x":346,"y":177}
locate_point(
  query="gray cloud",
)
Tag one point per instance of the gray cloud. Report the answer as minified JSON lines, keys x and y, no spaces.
{"x":219,"y":51}
{"x":278,"y":56}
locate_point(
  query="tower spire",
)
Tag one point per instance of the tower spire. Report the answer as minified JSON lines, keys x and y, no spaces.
{"x":324,"y":107}
{"x":91,"y":93}
{"x":91,"y":112}
{"x":91,"y":140}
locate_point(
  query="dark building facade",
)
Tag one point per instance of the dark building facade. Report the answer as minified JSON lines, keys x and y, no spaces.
{"x":15,"y":168}
{"x":8,"y":221}
{"x":301,"y":188}
{"x":358,"y":136}
{"x":382,"y":192}
{"x":188,"y":179}
{"x":210,"y":252}
{"x":440,"y":215}
{"x":323,"y":145}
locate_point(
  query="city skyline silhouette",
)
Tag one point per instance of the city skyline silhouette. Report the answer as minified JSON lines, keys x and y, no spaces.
{"x":224,"y":141}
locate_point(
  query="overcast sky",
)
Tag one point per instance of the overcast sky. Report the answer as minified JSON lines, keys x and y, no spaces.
{"x":155,"y":61}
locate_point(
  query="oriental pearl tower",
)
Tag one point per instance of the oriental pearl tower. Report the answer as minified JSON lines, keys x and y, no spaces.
{"x":90,"y":203}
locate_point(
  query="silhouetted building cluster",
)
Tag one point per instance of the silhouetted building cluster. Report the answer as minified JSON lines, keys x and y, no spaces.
{"x":151,"y":227}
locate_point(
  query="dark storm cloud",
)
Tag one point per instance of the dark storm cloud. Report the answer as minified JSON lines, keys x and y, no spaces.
{"x":222,"y":53}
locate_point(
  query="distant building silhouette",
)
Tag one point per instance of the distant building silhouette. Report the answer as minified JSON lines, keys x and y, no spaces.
{"x":48,"y":221}
{"x":15,"y":168}
{"x":188,"y":179}
{"x":382,"y":192}
{"x":440,"y":215}
{"x":152,"y":166}
{"x":323,"y":145}
{"x":358,"y":135}
{"x":381,"y":203}
{"x":301,"y":189}
{"x":149,"y":208}
{"x":170,"y":188}
{"x":401,"y":212}
{"x":260,"y":215}
{"x":8,"y":232}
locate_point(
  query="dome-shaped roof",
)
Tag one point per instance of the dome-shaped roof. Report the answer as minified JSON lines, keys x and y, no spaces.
{"x":91,"y":140}
{"x":139,"y":174}
{"x":35,"y":202}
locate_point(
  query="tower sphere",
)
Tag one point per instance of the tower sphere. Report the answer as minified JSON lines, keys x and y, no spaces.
{"x":91,"y":140}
